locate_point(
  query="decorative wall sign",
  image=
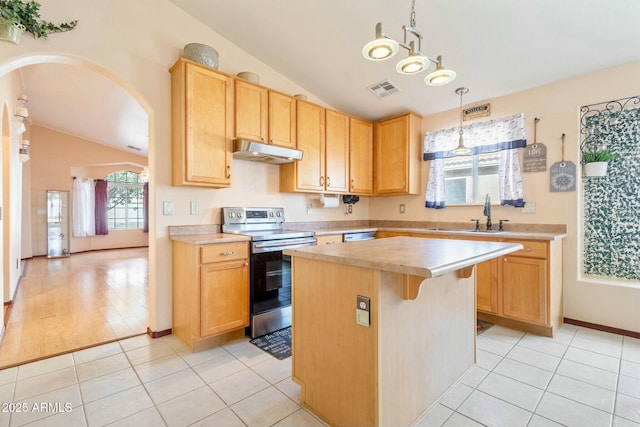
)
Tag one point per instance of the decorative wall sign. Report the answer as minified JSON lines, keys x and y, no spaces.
{"x":476,"y":111}
{"x":563,"y":176}
{"x":535,"y":158}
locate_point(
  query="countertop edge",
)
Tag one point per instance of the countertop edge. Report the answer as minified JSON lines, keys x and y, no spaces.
{"x":495,"y":235}
{"x":408,"y":269}
{"x":205,"y":239}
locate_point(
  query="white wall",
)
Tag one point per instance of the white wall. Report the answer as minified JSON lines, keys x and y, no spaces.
{"x":12,"y":187}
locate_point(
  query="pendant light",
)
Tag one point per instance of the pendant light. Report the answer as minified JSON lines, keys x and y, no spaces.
{"x":384,"y":47}
{"x":461,"y":150}
{"x":441,"y":76}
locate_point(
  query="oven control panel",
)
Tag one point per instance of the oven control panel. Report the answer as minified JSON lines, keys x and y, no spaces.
{"x":252,"y":215}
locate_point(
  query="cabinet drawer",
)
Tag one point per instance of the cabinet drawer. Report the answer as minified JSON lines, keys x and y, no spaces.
{"x":531,"y":249}
{"x":330,"y":239}
{"x":224,"y":252}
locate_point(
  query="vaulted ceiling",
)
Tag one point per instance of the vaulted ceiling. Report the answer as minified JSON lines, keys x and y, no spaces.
{"x":496,"y":47}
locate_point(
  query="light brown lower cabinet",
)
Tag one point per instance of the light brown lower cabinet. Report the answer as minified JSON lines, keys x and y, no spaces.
{"x":210,"y":292}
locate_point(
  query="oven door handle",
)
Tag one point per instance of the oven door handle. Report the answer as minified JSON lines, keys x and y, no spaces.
{"x":279,"y":246}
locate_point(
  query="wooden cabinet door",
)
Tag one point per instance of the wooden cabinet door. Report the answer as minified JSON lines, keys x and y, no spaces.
{"x":282,"y":120}
{"x":487,"y":286}
{"x":336,"y":152}
{"x":310,"y":137}
{"x":251,"y":111}
{"x":396,"y":144}
{"x":360,"y":156}
{"x":224,"y":297}
{"x":523,"y":282}
{"x":202,"y":126}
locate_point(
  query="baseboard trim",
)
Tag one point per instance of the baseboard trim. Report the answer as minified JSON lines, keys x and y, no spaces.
{"x":603,"y":328}
{"x":158,"y":334}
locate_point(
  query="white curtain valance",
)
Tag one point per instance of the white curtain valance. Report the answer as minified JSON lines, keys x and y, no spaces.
{"x":483,"y":137}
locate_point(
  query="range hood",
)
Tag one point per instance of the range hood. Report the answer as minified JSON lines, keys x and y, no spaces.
{"x":245,"y":149}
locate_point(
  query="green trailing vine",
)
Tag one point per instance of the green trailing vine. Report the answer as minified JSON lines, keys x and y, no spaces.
{"x":27,"y":14}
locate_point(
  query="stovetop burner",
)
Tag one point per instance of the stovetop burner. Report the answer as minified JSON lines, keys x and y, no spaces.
{"x":260,"y":224}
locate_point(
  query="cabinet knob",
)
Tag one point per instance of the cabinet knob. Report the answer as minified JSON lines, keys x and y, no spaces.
{"x":328,"y":181}
{"x":246,"y":264}
{"x":506,"y":259}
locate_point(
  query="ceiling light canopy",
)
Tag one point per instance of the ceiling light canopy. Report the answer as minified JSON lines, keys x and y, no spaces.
{"x":384,"y":47}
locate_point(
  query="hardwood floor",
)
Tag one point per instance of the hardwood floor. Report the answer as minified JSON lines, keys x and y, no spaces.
{"x":66,"y":304}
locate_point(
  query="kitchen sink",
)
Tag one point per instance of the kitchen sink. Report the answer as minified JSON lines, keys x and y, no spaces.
{"x":457,"y":230}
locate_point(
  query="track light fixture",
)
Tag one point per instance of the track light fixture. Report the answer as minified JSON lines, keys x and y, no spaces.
{"x":384,"y":47}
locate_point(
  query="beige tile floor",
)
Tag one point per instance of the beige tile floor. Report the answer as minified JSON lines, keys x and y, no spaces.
{"x":579,"y":378}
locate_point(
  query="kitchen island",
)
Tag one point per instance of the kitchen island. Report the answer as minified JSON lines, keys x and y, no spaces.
{"x":382,"y":328}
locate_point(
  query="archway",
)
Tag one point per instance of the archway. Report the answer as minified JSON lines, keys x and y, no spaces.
{"x":18,"y":63}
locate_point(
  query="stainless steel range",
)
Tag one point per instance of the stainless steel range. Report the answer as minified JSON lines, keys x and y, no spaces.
{"x":270,"y":269}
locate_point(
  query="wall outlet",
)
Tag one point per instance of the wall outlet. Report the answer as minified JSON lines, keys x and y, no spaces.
{"x":363,"y":311}
{"x":529,"y":208}
{"x":309,"y":210}
{"x":167,"y":208}
{"x":350,"y":208}
{"x":402,"y":208}
{"x":195,"y":208}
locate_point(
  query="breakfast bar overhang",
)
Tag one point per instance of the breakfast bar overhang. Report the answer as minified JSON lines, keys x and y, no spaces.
{"x":382,"y":328}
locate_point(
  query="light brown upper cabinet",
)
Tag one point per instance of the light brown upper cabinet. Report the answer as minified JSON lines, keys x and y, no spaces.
{"x":251,"y":111}
{"x":336,"y":152}
{"x":201,"y":125}
{"x":264,"y":115}
{"x":308,"y":173}
{"x":360,"y":156}
{"x":282,"y":119}
{"x":397,"y":155}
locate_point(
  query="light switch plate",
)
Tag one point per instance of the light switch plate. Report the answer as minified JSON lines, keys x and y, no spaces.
{"x":362,"y":317}
{"x":363,"y":311}
{"x":167,"y":208}
{"x":195,"y":208}
{"x":529,"y":208}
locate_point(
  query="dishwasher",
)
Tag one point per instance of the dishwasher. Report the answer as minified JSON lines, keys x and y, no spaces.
{"x":358,"y":236}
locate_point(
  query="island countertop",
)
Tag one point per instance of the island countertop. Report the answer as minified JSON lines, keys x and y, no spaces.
{"x":409,"y":255}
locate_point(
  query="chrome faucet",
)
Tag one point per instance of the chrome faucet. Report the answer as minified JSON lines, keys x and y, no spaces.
{"x":487,"y":211}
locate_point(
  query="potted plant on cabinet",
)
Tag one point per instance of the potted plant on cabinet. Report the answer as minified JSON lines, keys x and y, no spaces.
{"x":17,"y":16}
{"x":596,"y":161}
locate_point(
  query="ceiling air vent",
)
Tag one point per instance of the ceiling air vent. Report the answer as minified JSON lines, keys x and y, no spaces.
{"x":134,"y":148}
{"x":383,"y":88}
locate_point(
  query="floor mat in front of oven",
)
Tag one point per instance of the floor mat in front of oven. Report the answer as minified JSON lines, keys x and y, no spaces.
{"x":277,"y":344}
